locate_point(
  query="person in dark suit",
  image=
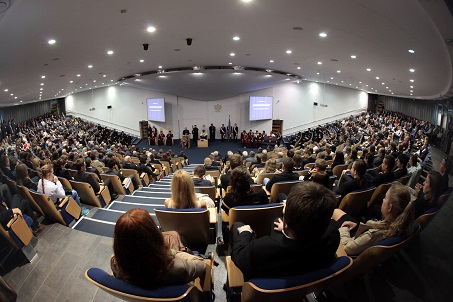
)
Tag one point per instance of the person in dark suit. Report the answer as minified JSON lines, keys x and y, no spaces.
{"x":113,"y":170}
{"x":286,"y":175}
{"x":143,"y":167}
{"x":235,"y":132}
{"x":235,"y":161}
{"x":401,"y":166}
{"x":198,"y":177}
{"x":211,"y":133}
{"x":302,"y":242}
{"x":223,"y":132}
{"x":386,"y":175}
{"x":195,"y":134}
{"x":82,"y":176}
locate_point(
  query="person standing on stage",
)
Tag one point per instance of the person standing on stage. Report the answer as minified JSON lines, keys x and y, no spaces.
{"x":185,"y":140}
{"x":160,"y":138}
{"x":195,"y":134}
{"x":152,"y":138}
{"x":223,"y":132}
{"x":169,"y":140}
{"x":235,"y":132}
{"x":211,"y":133}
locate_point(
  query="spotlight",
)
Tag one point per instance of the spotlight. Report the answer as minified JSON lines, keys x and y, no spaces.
{"x":145,"y":46}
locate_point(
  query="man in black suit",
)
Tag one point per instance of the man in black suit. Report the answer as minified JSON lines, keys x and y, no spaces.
{"x":401,"y":166}
{"x":113,"y":170}
{"x":235,"y":132}
{"x":198,"y":177}
{"x":211,"y":133}
{"x":387,"y":172}
{"x":195,"y":134}
{"x":223,"y":132}
{"x":235,"y":161}
{"x":82,"y":176}
{"x":303,"y":242}
{"x":286,"y":175}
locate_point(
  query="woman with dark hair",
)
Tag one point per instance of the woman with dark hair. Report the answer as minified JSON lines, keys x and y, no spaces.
{"x":352,"y":158}
{"x":241,"y":193}
{"x":355,"y":181}
{"x":338,"y":160}
{"x":23,"y":179}
{"x":142,"y":258}
{"x":428,"y":193}
{"x":397,"y":219}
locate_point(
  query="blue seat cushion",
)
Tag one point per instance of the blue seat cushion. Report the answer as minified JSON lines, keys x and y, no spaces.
{"x":170,"y":291}
{"x":397,"y":239}
{"x":287,"y":282}
{"x":258,"y":206}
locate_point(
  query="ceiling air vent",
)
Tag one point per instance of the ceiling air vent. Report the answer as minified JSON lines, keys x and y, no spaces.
{"x":4,"y":4}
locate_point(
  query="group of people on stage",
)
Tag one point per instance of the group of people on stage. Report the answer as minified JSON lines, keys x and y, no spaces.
{"x":160,"y":139}
{"x":248,"y":139}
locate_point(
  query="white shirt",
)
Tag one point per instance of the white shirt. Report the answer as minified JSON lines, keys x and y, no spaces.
{"x":55,"y":191}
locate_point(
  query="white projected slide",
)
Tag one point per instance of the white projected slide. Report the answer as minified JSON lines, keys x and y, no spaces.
{"x":260,"y":108}
{"x":156,"y":110}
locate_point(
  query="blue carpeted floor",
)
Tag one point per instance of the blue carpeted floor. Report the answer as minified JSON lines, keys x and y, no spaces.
{"x":197,"y":155}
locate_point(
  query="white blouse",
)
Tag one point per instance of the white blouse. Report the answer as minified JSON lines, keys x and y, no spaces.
{"x":54,"y":190}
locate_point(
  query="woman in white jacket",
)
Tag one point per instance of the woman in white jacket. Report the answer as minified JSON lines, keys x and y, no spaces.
{"x":52,"y":187}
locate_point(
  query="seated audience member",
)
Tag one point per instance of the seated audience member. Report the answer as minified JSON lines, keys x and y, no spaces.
{"x":319,"y":173}
{"x":52,"y":187}
{"x":5,"y":167}
{"x":113,"y":170}
{"x":208,"y":165}
{"x":414,"y":166}
{"x":269,"y":167}
{"x":298,"y":162}
{"x":143,"y":167}
{"x":302,"y":242}
{"x":401,"y":166}
{"x":355,"y":181}
{"x":379,"y":158}
{"x":397,"y":219}
{"x":142,"y":258}
{"x":260,"y":162}
{"x":235,"y":161}
{"x":369,"y":159}
{"x":59,"y":167}
{"x":287,"y":174}
{"x":445,"y":168}
{"x":89,"y":168}
{"x":252,"y":158}
{"x":352,"y":158}
{"x":183,"y":194}
{"x":428,"y":193}
{"x":19,"y":206}
{"x":23,"y":179}
{"x":241,"y":193}
{"x":338,"y":160}
{"x":386,"y":175}
{"x":82,"y":176}
{"x":128,"y":164}
{"x":198,"y":177}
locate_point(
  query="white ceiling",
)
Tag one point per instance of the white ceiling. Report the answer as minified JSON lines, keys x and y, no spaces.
{"x":379,"y":33}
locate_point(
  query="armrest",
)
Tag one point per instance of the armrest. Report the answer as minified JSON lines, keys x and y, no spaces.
{"x":267,"y":192}
{"x":204,"y":283}
{"x":15,"y":216}
{"x":212,"y":215}
{"x":225,"y":217}
{"x":63,"y":202}
{"x":235,"y":276}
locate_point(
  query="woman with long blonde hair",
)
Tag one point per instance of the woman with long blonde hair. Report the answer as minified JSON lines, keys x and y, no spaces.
{"x":183,"y":194}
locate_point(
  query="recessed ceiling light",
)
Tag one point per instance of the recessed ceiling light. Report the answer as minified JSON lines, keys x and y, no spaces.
{"x":411,"y":86}
{"x":342,"y":81}
{"x":78,"y":75}
{"x":162,"y":76}
{"x":52,"y":41}
{"x":317,"y":73}
{"x":71,"y":81}
{"x":412,"y":70}
{"x":94,"y":81}
{"x":360,"y":82}
{"x":160,"y":66}
{"x":43,"y":77}
{"x":247,"y":1}
{"x":42,"y":84}
{"x":338,"y":71}
{"x":383,"y":83}
{"x":353,"y":57}
{"x":90,"y":66}
{"x":232,"y":54}
{"x":331,"y":78}
{"x":319,"y":63}
{"x":230,"y":63}
{"x":20,"y":102}
{"x":237,"y":73}
{"x":386,"y":87}
{"x":411,"y":51}
{"x":271,"y":61}
{"x":151,"y":29}
{"x":268,"y":75}
{"x":12,"y":94}
{"x":15,"y":97}
{"x":298,"y":67}
{"x":6,"y":90}
{"x":289,"y":51}
{"x":236,"y":38}
{"x":141,"y":61}
{"x":377,"y":78}
{"x":111,"y":80}
{"x":323,"y":35}
{"x":411,"y":91}
{"x":138,"y":80}
{"x":366,"y":85}
{"x":368,"y":69}
{"x":411,"y":80}
{"x":110,"y":52}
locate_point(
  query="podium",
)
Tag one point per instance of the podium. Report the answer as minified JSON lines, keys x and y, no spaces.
{"x":202,"y":143}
